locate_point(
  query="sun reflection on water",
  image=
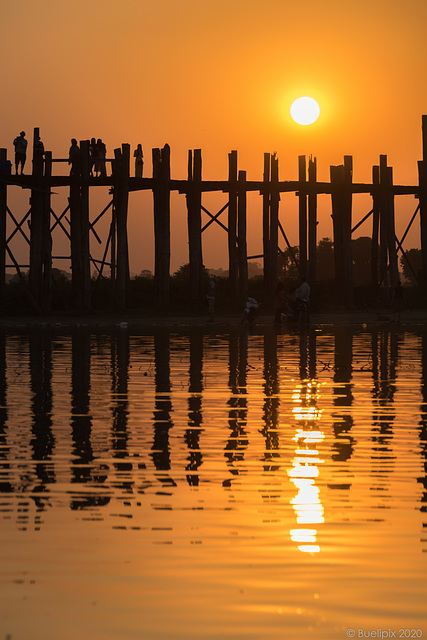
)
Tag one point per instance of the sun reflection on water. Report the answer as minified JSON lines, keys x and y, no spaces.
{"x":305,"y":466}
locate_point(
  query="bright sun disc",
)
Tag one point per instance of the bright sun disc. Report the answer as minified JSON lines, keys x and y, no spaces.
{"x":305,"y":110}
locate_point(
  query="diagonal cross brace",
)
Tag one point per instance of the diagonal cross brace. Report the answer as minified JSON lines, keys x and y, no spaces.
{"x":214,"y":218}
{"x":18,"y":225}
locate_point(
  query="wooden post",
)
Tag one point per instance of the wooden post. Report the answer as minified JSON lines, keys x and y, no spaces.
{"x":3,"y":218}
{"x":46,"y":248}
{"x":302,"y":216}
{"x":347,"y":239}
{"x":375,"y":224}
{"x":161,"y":196}
{"x":266,"y":221}
{"x":312,"y":220}
{"x":233,"y":254}
{"x":36,"y":225}
{"x":422,"y":178}
{"x":274,"y":224}
{"x":341,"y":177}
{"x":392,"y":250}
{"x":122,"y":202}
{"x":241,"y":236}
{"x":194,"y":221}
{"x":384,"y":218}
{"x":79,"y":222}
{"x":84,"y":204}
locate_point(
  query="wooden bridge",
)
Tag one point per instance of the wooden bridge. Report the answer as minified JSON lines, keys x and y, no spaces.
{"x":80,"y":226}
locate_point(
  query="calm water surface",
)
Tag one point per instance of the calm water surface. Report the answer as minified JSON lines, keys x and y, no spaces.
{"x":199,"y":485}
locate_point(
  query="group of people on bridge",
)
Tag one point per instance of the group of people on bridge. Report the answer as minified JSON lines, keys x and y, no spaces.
{"x":97,"y":156}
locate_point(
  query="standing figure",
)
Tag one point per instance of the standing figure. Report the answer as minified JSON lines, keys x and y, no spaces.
{"x":250,"y":311}
{"x":302,"y":297}
{"x":139,"y":161}
{"x":74,"y":158}
{"x":38,"y":147}
{"x":101,"y":152}
{"x":92,"y":156}
{"x":20,"y":145}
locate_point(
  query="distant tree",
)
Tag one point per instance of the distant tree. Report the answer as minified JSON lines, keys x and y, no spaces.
{"x":255,"y":270}
{"x":145,"y":273}
{"x":414,"y":259}
{"x":182,"y":274}
{"x":286,"y":267}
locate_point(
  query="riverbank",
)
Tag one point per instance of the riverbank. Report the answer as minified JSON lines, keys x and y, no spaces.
{"x":412,"y":317}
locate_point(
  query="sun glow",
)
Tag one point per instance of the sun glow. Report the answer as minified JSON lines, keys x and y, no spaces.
{"x":305,"y":110}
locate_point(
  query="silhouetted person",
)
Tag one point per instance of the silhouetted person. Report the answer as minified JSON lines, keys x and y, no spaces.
{"x":250,"y":311}
{"x":302,"y":297}
{"x":139,"y":161}
{"x":20,"y":144}
{"x":74,"y":158}
{"x":38,"y":148}
{"x":92,"y":156}
{"x":101,"y":152}
{"x":290,"y":305}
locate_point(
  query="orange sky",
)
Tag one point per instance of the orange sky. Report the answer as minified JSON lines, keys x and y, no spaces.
{"x":221,"y":75}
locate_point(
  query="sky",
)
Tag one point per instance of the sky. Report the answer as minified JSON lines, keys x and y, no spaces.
{"x":219,"y":75}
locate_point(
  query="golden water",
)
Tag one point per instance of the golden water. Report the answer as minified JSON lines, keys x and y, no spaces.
{"x":201,"y":485}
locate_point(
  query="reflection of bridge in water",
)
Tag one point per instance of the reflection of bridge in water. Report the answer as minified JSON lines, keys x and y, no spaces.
{"x":113,"y":416}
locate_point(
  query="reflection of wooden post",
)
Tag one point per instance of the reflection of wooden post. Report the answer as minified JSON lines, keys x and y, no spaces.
{"x":161,"y":195}
{"x":312,"y":220}
{"x":302,"y":216}
{"x":194,"y":209}
{"x":3,"y":217}
{"x":274,"y":224}
{"x":375,"y":224}
{"x":266,"y":222}
{"x":241,"y":235}
{"x":233,"y":256}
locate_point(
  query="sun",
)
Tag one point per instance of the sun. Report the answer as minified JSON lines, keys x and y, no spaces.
{"x":305,"y":110}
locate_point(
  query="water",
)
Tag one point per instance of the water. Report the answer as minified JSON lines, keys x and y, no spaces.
{"x":200,"y":485}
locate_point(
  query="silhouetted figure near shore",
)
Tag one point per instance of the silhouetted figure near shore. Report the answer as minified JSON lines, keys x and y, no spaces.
{"x":101,"y":152}
{"x":302,"y":298}
{"x":250,"y":311}
{"x":289,"y":313}
{"x":139,"y":161}
{"x":20,"y":144}
{"x":397,"y":301}
{"x":74,"y":158}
